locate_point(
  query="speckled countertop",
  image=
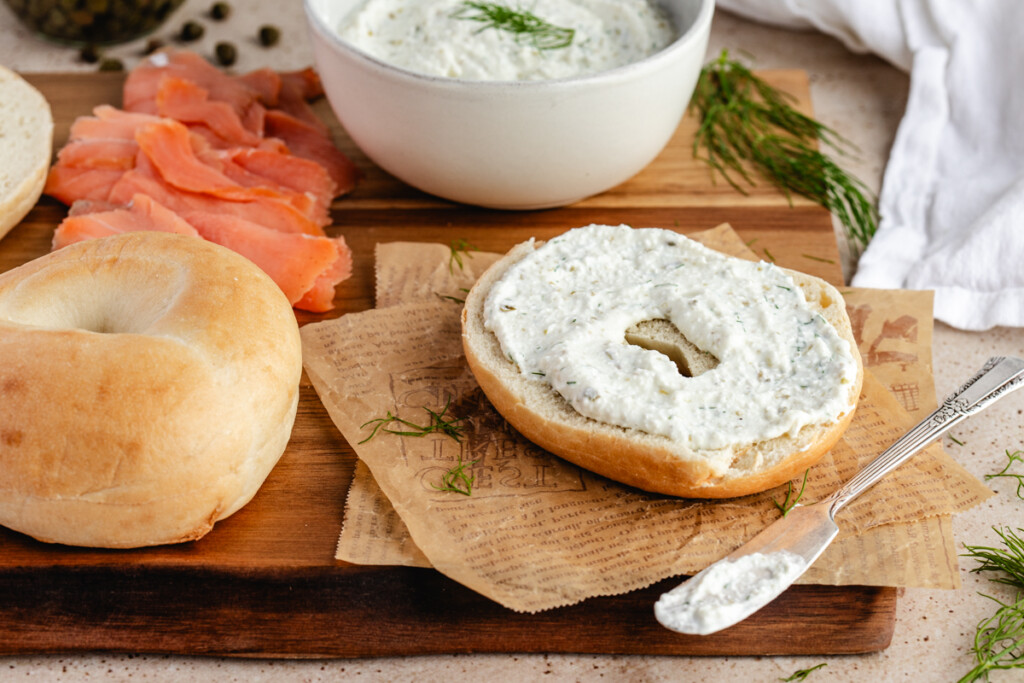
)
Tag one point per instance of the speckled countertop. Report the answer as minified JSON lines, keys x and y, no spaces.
{"x":859,"y":96}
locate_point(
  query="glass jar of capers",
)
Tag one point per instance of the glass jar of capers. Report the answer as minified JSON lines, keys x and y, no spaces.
{"x":93,"y":22}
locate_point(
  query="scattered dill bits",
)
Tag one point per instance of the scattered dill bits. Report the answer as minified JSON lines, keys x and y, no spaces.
{"x":220,"y":11}
{"x":226,"y":53}
{"x":269,"y":35}
{"x":1011,"y":459}
{"x":438,"y":425}
{"x":458,"y":247}
{"x":449,"y":297}
{"x":525,"y":26}
{"x":191,"y":31}
{"x":955,"y":440}
{"x":456,"y":480}
{"x":744,"y":119}
{"x":90,"y":54}
{"x":790,"y":502}
{"x":802,"y":674}
{"x":111,"y":64}
{"x":769,"y":255}
{"x":818,"y":258}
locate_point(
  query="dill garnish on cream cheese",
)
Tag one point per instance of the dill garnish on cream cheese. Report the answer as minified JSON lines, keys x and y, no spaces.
{"x":495,"y":41}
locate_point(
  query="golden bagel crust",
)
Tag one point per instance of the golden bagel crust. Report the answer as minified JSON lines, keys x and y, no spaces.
{"x":149,"y":385}
{"x":650,"y":462}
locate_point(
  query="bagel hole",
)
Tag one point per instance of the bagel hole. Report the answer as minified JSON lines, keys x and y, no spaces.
{"x":662,"y":336}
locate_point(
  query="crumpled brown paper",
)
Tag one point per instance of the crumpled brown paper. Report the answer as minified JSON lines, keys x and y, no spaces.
{"x":538,"y":532}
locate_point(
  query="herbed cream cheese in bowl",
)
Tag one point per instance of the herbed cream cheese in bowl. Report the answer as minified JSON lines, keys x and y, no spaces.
{"x":511,"y":144}
{"x":546,"y":39}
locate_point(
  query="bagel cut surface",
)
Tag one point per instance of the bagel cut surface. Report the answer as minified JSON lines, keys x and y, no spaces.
{"x":149,"y":384}
{"x":26,"y":142}
{"x":726,"y":381}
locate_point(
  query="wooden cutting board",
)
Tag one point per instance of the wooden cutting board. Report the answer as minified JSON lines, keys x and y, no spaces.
{"x":264,"y":582}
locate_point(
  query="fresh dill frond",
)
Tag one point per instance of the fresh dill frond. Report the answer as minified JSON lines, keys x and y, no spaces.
{"x":458,"y":247}
{"x":1011,"y":459}
{"x":456,"y":480}
{"x":524,"y":25}
{"x":1009,"y":560}
{"x":790,"y":502}
{"x":998,"y":641}
{"x":438,"y":424}
{"x":802,"y":674}
{"x":745,"y":120}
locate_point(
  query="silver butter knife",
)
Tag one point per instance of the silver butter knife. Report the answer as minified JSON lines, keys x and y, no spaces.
{"x":738,"y":585}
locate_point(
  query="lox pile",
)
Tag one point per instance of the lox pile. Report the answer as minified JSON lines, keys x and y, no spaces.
{"x":242,"y":161}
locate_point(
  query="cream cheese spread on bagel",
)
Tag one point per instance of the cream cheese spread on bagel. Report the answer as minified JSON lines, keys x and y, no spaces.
{"x":561,"y":312}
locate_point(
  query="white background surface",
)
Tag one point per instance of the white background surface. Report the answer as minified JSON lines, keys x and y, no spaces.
{"x":860,"y":97}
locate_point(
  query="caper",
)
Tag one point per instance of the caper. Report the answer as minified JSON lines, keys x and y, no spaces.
{"x":111,"y":64}
{"x":226,"y":53}
{"x":152,"y":45}
{"x":269,"y":35}
{"x":192,"y":30}
{"x":89,"y":54}
{"x":220,"y":11}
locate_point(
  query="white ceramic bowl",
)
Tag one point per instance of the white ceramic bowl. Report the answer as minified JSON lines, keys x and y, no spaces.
{"x":511,"y":144}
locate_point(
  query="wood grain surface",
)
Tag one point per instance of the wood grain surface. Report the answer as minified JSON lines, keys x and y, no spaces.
{"x":264,"y":582}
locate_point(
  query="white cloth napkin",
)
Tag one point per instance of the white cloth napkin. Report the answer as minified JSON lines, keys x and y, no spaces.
{"x":952,"y":198}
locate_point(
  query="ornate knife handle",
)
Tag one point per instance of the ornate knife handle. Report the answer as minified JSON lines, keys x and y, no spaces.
{"x":999,"y":377}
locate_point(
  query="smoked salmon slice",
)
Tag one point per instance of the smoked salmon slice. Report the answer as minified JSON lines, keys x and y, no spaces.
{"x":141,"y":213}
{"x":184,"y":101}
{"x":144,"y":179}
{"x":306,"y":141}
{"x":142,"y":85}
{"x":168,"y":145}
{"x":295,"y":262}
{"x":67,"y":184}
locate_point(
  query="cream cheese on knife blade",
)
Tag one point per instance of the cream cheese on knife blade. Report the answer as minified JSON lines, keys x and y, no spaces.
{"x":727,"y":592}
{"x":439,"y":38}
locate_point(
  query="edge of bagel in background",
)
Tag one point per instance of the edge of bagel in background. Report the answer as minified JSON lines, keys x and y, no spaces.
{"x":26,"y":144}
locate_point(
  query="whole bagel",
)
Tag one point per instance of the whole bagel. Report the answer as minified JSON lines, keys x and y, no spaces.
{"x":646,"y":460}
{"x":148,"y":385}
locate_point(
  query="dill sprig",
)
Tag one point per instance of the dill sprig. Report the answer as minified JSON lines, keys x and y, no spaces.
{"x":458,"y":247}
{"x":999,"y":639}
{"x":438,"y":425}
{"x":525,"y":26}
{"x":456,"y":480}
{"x":744,"y":119}
{"x":1015,"y":457}
{"x":802,"y":674}
{"x":788,"y":504}
{"x":450,"y":297}
{"x":1009,"y":560}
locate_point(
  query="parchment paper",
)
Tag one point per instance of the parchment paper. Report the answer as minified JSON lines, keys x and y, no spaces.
{"x":538,"y":532}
